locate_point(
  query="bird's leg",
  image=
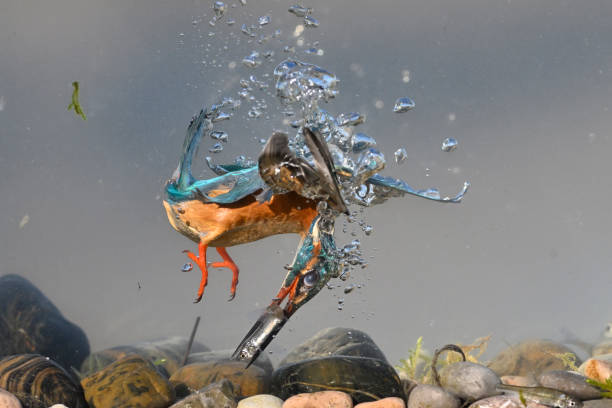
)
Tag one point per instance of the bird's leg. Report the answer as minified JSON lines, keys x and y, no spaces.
{"x":200,"y":260}
{"x":228,"y":263}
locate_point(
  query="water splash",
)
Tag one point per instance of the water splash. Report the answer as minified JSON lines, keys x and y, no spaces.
{"x":449,"y":144}
{"x":400,"y":155}
{"x":403,"y":105}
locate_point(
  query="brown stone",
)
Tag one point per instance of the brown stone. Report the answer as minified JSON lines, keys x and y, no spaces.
{"x":390,"y":402}
{"x":247,"y":382}
{"x":530,"y":357}
{"x":129,"y":382}
{"x":596,"y":369}
{"x":327,"y":399}
{"x":8,"y":400}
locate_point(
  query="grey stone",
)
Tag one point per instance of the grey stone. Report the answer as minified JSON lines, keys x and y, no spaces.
{"x":217,"y":395}
{"x":335,"y":341}
{"x":570,"y":383}
{"x":605,"y":347}
{"x":469,"y":381}
{"x":431,"y":396}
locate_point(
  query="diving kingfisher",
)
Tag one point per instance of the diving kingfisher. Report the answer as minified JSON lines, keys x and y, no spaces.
{"x":277,"y":196}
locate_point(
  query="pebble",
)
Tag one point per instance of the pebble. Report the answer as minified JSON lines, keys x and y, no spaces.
{"x":570,"y":383}
{"x":605,"y":347}
{"x":365,"y":379}
{"x":263,"y":361}
{"x":335,"y":341}
{"x":599,"y":369}
{"x":390,"y":402}
{"x":8,"y":400}
{"x":31,"y":324}
{"x":129,"y":382}
{"x":530,"y":357}
{"x":247,"y":382}
{"x":327,"y":399}
{"x":598,"y":403}
{"x":520,"y":380}
{"x":261,"y":401}
{"x":432,"y":396}
{"x":497,"y":401}
{"x":39,"y":382}
{"x":165,"y":353}
{"x":216,"y":395}
{"x":469,"y":381}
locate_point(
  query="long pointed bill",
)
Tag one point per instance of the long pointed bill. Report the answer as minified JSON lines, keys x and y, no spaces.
{"x":261,"y":334}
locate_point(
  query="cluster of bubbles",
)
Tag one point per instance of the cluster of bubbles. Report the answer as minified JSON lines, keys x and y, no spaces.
{"x":301,"y":87}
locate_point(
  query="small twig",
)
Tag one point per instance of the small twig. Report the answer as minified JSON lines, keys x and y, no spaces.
{"x":193,"y":332}
{"x":434,"y":361}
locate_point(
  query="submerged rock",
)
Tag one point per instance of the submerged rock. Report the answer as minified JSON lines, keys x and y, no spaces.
{"x":167,"y":353}
{"x":38,"y":381}
{"x":216,"y":395}
{"x":390,"y":402}
{"x":469,"y":381}
{"x":246,"y":382}
{"x":530,"y":357}
{"x":335,"y":341}
{"x":31,"y":324}
{"x":432,"y":396}
{"x":570,"y":383}
{"x":320,"y":399}
{"x":8,"y":400}
{"x":520,"y":380}
{"x":261,"y":401}
{"x":263,"y":361}
{"x":599,"y":368}
{"x":365,"y":379}
{"x":604,"y":347}
{"x":497,"y":401}
{"x":598,"y":403}
{"x":129,"y":382}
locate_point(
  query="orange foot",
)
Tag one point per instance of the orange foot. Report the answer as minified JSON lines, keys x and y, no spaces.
{"x":200,"y":260}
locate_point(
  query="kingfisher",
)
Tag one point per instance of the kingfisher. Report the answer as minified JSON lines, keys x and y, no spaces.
{"x":245,"y":203}
{"x":282,"y":193}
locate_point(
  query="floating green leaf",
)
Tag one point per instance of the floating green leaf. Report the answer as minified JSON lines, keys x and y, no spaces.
{"x":75,"y":101}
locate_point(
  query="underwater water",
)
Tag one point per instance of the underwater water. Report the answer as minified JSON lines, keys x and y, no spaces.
{"x":523,"y":87}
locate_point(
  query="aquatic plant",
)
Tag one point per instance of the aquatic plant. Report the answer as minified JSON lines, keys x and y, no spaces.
{"x":75,"y":101}
{"x":605,"y":386}
{"x":417,"y":366}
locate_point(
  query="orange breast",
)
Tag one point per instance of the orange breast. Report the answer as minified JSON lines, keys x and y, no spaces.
{"x":244,"y":221}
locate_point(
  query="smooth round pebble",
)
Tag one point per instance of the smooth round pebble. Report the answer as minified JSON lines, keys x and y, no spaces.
{"x":570,"y":383}
{"x":8,"y":400}
{"x":469,"y":381}
{"x":261,"y":401}
{"x":497,"y":401}
{"x":327,"y":399}
{"x":390,"y":402}
{"x":431,"y":396}
{"x":519,"y":380}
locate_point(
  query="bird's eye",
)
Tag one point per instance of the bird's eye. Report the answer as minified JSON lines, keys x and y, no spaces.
{"x":311,"y":278}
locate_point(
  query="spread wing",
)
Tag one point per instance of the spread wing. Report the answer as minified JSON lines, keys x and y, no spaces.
{"x":283,"y":171}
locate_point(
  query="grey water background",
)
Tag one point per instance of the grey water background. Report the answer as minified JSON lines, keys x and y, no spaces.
{"x":525,"y":87}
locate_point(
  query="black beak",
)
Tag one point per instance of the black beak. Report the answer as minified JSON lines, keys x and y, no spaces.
{"x":261,"y":334}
